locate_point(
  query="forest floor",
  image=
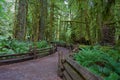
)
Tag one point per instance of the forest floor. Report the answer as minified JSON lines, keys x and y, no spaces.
{"x":39,"y":69}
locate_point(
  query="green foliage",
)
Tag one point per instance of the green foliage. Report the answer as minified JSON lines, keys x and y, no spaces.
{"x":105,"y":63}
{"x":83,"y":46}
{"x":11,"y":46}
{"x":42,"y":44}
{"x":6,"y":18}
{"x":113,"y":76}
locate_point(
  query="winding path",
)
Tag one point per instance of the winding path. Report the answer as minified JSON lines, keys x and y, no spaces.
{"x":39,"y":69}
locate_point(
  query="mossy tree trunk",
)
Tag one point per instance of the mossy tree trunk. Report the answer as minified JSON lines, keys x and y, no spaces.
{"x":51,"y":20}
{"x":43,"y":19}
{"x":108,"y":29}
{"x":36,"y":20}
{"x":21,"y":20}
{"x":39,"y":19}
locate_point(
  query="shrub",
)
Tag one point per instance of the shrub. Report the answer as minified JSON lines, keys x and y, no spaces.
{"x":14,"y":46}
{"x":42,"y":44}
{"x":104,"y":63}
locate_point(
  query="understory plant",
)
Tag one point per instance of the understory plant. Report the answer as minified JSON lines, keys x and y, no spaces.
{"x":8,"y":46}
{"x":11,"y":46}
{"x":42,"y":44}
{"x":105,"y":63}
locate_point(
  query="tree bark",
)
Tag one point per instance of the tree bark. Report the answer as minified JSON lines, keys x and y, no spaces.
{"x":43,"y":18}
{"x":51,"y":19}
{"x":20,"y":27}
{"x":108,"y":31}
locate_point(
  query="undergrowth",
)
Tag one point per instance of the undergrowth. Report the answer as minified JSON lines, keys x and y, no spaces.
{"x":42,"y":44}
{"x":10,"y":46}
{"x":104,"y":62}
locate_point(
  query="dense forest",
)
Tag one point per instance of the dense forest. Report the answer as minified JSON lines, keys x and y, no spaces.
{"x":90,"y":27}
{"x":79,"y":21}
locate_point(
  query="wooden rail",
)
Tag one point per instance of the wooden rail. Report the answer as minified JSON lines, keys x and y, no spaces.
{"x":34,"y":53}
{"x":69,"y":69}
{"x":58,"y":44}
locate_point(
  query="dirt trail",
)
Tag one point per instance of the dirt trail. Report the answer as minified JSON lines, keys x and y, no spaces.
{"x":39,"y":69}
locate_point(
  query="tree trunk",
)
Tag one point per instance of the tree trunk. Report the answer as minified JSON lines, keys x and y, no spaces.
{"x":51,"y":20}
{"x":108,"y":31}
{"x":20,"y":27}
{"x":36,"y":20}
{"x":43,"y":18}
{"x":108,"y":35}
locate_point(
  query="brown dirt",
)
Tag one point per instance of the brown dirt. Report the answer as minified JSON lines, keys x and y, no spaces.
{"x":39,"y":69}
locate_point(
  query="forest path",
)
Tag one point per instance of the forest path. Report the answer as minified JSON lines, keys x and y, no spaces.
{"x":39,"y":69}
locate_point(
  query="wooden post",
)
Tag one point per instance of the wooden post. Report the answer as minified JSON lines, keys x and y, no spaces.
{"x":60,"y":64}
{"x":35,"y":53}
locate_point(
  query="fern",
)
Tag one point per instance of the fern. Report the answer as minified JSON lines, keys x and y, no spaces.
{"x":14,"y":46}
{"x":41,"y":44}
{"x":101,"y":62}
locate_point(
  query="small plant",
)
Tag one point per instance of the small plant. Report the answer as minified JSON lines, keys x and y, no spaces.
{"x":42,"y":44}
{"x":14,"y":46}
{"x":104,"y":63}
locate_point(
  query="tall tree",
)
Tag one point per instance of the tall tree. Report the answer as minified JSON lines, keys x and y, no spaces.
{"x":108,"y":29}
{"x":43,"y":18}
{"x":21,"y":20}
{"x":38,"y":16}
{"x":35,"y":19}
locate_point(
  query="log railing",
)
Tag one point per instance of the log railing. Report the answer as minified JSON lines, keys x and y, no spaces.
{"x":69,"y":69}
{"x":32,"y":54}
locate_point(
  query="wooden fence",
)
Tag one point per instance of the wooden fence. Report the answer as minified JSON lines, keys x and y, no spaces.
{"x":65,"y":45}
{"x":33,"y":54}
{"x":69,"y":69}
